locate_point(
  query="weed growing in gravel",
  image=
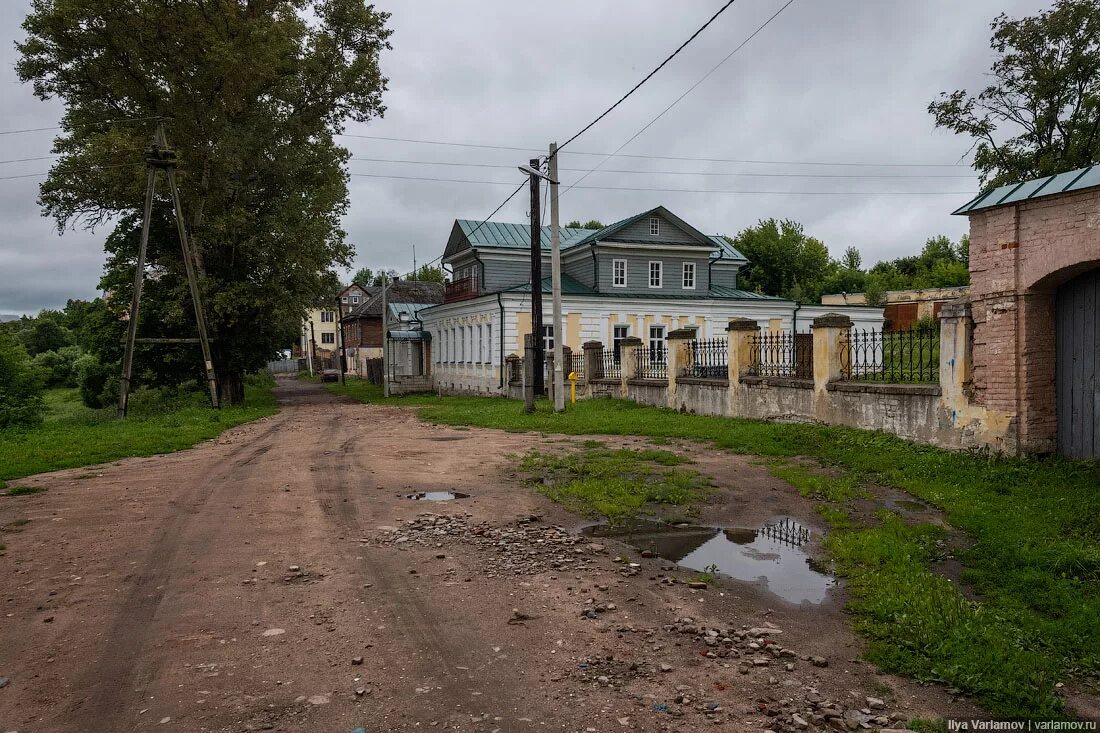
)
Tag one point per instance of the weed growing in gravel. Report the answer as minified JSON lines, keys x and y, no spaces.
{"x":24,"y":490}
{"x":616,"y":484}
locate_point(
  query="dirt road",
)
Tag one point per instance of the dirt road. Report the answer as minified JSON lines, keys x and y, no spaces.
{"x":257,"y":582}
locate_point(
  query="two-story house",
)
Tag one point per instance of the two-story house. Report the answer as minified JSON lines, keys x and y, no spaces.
{"x":318,"y":340}
{"x":643,"y":276}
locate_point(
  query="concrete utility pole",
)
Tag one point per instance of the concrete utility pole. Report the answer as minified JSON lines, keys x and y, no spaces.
{"x":385,"y":364}
{"x":536,"y":284}
{"x":555,"y":280}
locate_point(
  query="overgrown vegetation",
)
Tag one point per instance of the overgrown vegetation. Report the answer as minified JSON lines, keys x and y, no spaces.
{"x":160,"y":421}
{"x":1031,"y":559}
{"x":618,"y":485}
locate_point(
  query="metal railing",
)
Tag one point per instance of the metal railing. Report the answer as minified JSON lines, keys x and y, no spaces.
{"x":895,"y":357}
{"x":708,"y":359}
{"x":652,"y":362}
{"x":575,"y":364}
{"x":782,"y":354}
{"x":609,"y":365}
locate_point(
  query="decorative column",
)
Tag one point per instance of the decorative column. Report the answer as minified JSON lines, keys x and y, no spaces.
{"x":740,"y":358}
{"x":956,"y":344}
{"x":679,"y":360}
{"x":830,"y":344}
{"x":628,"y":362}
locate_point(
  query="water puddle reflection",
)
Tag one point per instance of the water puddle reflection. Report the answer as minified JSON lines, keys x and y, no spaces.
{"x":772,"y":557}
{"x":436,"y":496}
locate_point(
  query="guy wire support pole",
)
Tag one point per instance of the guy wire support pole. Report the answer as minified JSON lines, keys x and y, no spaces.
{"x":169,"y":166}
{"x":536,"y":286}
{"x":139,"y":278}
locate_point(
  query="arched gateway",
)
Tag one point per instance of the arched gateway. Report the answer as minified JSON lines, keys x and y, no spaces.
{"x":1035,"y":304}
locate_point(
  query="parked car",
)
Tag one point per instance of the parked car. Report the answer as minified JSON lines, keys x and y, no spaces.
{"x":330,"y":375}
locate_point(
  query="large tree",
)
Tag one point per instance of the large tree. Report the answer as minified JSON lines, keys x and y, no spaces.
{"x":1040,"y":114}
{"x":252,"y":93}
{"x":783,"y":260}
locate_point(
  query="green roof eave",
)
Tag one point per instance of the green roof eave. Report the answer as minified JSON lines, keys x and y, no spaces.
{"x":1070,"y":181}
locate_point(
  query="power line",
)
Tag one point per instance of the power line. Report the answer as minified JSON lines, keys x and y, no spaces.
{"x":96,"y":167}
{"x":668,"y":190}
{"x":105,"y":122}
{"x":24,"y":160}
{"x":420,"y":141}
{"x":689,"y":90}
{"x":670,"y":173}
{"x":648,"y":76}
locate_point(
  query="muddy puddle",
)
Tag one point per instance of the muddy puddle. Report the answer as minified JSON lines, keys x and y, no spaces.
{"x":773,"y":557}
{"x":436,"y":496}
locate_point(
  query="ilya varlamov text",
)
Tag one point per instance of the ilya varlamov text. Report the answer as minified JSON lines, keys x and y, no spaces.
{"x":1018,"y":725}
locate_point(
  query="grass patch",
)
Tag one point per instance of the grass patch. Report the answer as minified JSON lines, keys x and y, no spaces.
{"x":160,"y":421}
{"x":1033,"y":556}
{"x":616,"y":484}
{"x":24,"y":490}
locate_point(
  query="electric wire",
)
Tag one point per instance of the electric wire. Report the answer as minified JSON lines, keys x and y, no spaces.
{"x":689,"y":90}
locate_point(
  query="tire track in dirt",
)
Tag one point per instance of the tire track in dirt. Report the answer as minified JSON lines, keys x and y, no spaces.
{"x":115,"y":675}
{"x":411,"y":619}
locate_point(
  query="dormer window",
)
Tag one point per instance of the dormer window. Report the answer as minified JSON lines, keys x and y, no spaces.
{"x":655,"y":226}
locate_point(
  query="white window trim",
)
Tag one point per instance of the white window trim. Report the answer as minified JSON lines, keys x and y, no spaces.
{"x":660,"y":274}
{"x":654,"y":226}
{"x":683,"y":275}
{"x":614,"y":263}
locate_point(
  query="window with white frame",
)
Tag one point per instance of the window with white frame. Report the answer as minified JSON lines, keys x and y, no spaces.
{"x":618,"y":273}
{"x":328,"y":317}
{"x":548,"y":338}
{"x":480,"y":345}
{"x":355,"y":299}
{"x":689,"y":276}
{"x":655,"y":226}
{"x":454,"y":345}
{"x":328,"y":338}
{"x":463,"y":337}
{"x":657,"y":344}
{"x":618,"y":333}
{"x":489,"y":343}
{"x":656,"y":273}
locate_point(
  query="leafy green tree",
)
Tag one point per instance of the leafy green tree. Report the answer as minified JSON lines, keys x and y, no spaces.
{"x":363,"y":276}
{"x":45,"y":333}
{"x":1040,"y":114}
{"x":58,"y":368}
{"x":253,"y":95}
{"x":782,"y":256}
{"x":594,"y":224}
{"x":852,"y":259}
{"x":20,"y":386}
{"x":430,"y":274}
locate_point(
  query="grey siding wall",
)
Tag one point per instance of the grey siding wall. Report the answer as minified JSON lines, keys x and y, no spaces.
{"x":579,"y":267}
{"x":639,"y":232}
{"x":501,"y":273}
{"x":637,"y":273}
{"x":724,"y":275}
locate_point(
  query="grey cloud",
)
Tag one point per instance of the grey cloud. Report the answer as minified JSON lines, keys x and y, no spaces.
{"x":836,"y":81}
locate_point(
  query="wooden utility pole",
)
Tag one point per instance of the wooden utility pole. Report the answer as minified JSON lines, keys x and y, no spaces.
{"x":161,"y":157}
{"x":555,"y":283}
{"x":385,"y":351}
{"x":536,"y":285}
{"x":341,"y":362}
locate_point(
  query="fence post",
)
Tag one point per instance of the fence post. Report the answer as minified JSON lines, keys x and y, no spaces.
{"x":548,"y":371}
{"x":956,"y":342}
{"x":830,"y":338}
{"x":628,"y":362}
{"x":739,"y":335}
{"x":679,"y":359}
{"x":593,"y":364}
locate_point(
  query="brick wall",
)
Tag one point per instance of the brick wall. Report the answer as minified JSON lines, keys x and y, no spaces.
{"x":1019,"y":255}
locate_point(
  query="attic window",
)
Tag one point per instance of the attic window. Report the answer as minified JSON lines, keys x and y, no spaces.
{"x":655,"y":226}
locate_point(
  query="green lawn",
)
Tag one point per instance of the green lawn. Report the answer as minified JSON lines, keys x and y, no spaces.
{"x":73,"y":435}
{"x":1031,"y":556}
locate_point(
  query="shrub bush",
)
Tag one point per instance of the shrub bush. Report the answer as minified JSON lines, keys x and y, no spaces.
{"x":21,"y":402}
{"x":98,"y":382}
{"x":59,"y":367}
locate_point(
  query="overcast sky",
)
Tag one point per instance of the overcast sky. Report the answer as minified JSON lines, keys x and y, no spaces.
{"x":828,"y":81}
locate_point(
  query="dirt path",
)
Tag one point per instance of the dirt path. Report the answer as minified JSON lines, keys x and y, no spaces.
{"x":257,"y":582}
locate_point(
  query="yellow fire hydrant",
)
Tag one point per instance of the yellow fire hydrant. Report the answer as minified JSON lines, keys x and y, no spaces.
{"x":572,"y":386}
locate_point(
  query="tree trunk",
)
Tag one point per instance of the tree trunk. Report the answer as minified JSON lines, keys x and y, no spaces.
{"x":231,"y":388}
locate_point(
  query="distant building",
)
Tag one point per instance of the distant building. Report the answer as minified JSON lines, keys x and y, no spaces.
{"x":409,"y":344}
{"x":903,"y":308}
{"x":318,"y":337}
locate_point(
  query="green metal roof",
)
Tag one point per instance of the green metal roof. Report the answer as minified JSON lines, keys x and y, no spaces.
{"x":518,"y":236}
{"x":1076,"y":180}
